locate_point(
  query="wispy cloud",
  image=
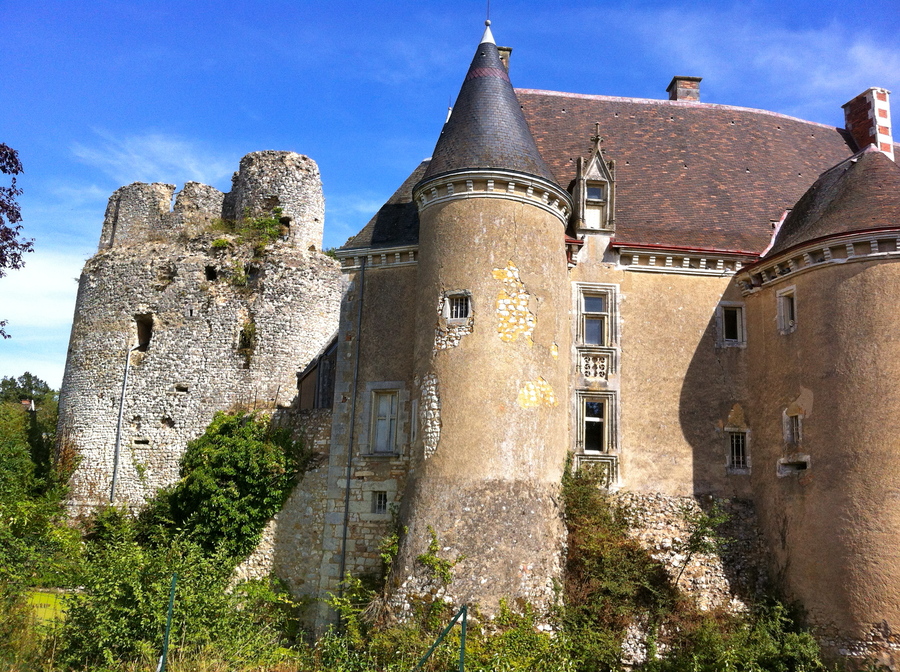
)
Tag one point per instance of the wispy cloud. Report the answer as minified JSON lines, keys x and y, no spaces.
{"x":808,"y":69}
{"x":153,"y":157}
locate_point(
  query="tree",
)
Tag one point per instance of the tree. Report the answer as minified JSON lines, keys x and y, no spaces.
{"x":12,"y":245}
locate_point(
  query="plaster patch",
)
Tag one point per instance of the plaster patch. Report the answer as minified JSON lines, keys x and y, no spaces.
{"x":513,"y":317}
{"x":536,"y":393}
{"x":554,"y":351}
{"x":430,"y":414}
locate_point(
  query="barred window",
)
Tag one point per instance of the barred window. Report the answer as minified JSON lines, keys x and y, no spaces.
{"x":459,"y":307}
{"x":379,"y":501}
{"x":737,"y":457}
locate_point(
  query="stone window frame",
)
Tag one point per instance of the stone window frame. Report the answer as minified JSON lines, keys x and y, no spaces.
{"x":792,"y":424}
{"x":731,"y":468}
{"x":610,"y":420}
{"x":610,"y":314}
{"x":367,"y":428}
{"x":447,"y":307}
{"x":380,"y":502}
{"x":786,"y":309}
{"x":722,"y":340}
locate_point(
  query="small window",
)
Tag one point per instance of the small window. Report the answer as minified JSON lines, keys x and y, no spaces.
{"x":384,"y":421}
{"x":731,"y":325}
{"x":738,"y":457}
{"x":787,"y":310}
{"x":594,"y":314}
{"x":595,"y":192}
{"x":144,"y":326}
{"x":379,"y":502}
{"x":594,"y":426}
{"x":793,"y":429}
{"x":459,"y":307}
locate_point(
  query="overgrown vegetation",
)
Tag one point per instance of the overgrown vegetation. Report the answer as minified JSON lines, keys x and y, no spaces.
{"x":259,"y":231}
{"x":232,"y":480}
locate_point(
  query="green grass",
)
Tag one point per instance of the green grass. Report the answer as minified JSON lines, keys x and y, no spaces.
{"x":48,"y":606}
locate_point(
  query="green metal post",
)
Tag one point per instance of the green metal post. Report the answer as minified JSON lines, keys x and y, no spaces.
{"x":461,"y":612}
{"x":165,"y":651}
{"x":462,"y":641}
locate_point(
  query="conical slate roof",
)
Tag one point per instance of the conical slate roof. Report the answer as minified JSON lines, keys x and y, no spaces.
{"x":487,"y":129}
{"x":858,"y":194}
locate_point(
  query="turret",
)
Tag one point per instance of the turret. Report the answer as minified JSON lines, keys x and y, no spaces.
{"x":490,"y":355}
{"x":824,"y":363}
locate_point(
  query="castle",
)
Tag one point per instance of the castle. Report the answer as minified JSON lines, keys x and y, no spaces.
{"x":695,"y":299}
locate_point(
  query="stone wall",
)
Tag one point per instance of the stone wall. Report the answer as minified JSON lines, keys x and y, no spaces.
{"x":220,"y":324}
{"x":291,"y":544}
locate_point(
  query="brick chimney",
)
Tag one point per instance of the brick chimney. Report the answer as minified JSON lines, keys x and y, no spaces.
{"x":684,"y":88}
{"x":868,"y":119}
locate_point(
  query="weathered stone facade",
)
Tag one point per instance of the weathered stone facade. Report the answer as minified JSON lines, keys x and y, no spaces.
{"x":206,"y":321}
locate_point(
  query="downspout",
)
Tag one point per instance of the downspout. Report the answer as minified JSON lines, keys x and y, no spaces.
{"x":112,"y":489}
{"x":362,"y":284}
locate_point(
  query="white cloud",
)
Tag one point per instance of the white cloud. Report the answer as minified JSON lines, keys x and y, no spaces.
{"x":803,"y":70}
{"x":38,"y":304}
{"x":154,"y":157}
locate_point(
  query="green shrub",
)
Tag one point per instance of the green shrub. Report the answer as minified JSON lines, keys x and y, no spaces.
{"x":232,"y":480}
{"x":120,"y":616}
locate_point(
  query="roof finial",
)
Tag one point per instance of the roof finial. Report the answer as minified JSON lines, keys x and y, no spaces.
{"x":488,"y":35}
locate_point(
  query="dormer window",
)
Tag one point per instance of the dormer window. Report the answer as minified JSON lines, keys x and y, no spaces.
{"x":596,"y":192}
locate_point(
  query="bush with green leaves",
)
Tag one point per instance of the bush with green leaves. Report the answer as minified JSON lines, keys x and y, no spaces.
{"x":232,"y":480}
{"x":120,"y":615}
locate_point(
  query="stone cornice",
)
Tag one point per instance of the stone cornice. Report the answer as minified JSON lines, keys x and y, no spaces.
{"x":377,"y":257}
{"x":495,"y":184}
{"x":683,"y":262}
{"x":845,"y":248}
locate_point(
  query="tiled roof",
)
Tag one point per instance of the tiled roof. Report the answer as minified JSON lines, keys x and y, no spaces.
{"x":486,"y":128}
{"x":688,"y":174}
{"x":859,"y":194}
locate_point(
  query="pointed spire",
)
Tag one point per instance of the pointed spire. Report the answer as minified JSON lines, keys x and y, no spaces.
{"x":487,"y":130}
{"x":488,"y":36}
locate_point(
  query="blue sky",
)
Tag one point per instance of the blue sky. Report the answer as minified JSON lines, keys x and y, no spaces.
{"x":100,"y":94}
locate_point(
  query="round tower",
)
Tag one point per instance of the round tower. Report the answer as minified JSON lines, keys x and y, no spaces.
{"x":199,"y":318}
{"x":824,"y":398}
{"x":491,"y":350}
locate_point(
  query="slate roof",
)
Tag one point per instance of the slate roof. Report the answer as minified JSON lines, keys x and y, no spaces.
{"x":486,"y":129}
{"x":397,"y":222}
{"x":688,"y":174}
{"x":859,"y":194}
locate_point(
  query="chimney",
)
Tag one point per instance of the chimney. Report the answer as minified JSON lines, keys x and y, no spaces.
{"x":867,"y":119}
{"x":684,"y":88}
{"x":504,"y":56}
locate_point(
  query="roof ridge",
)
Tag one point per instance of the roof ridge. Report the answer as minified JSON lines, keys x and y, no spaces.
{"x":676,"y":103}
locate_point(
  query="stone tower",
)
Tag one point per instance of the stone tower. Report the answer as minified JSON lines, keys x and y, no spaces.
{"x":492,"y":342}
{"x":824,"y":364}
{"x":202,"y":316}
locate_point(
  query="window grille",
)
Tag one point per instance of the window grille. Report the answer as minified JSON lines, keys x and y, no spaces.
{"x":379,"y":502}
{"x":738,"y":451}
{"x":459,"y":307}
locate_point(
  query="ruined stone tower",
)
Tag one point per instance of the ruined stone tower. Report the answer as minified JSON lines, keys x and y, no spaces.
{"x":207,"y":317}
{"x":490,"y":326}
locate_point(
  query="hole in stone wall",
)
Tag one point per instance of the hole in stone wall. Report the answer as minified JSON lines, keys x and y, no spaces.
{"x":252,"y":271}
{"x":167,"y":422}
{"x":142,"y":442}
{"x":144,"y":325}
{"x":181,"y":388}
{"x":211,"y":273}
{"x":788,"y":466}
